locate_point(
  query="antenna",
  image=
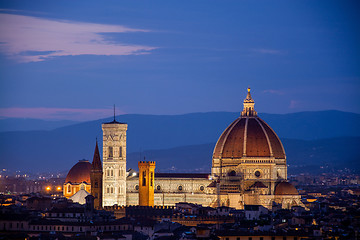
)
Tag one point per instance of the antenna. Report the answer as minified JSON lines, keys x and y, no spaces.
{"x":114,"y":112}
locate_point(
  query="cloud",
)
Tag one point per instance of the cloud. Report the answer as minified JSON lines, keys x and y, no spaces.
{"x":294,"y":104}
{"x":272,"y":91}
{"x":33,"y":39}
{"x":76,"y":114}
{"x":268,"y":51}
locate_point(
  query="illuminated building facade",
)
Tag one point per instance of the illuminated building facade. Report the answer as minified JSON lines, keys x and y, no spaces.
{"x":248,"y":168}
{"x":114,"y":163}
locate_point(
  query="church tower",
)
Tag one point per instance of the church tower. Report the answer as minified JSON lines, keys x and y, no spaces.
{"x":96,"y":178}
{"x":114,"y":163}
{"x":146,"y":183}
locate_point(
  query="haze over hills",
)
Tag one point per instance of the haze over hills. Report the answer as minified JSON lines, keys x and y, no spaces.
{"x":61,"y":148}
{"x":28,"y":124}
{"x":330,"y":153}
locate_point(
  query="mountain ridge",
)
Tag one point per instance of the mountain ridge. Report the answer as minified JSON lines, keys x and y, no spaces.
{"x":65,"y":145}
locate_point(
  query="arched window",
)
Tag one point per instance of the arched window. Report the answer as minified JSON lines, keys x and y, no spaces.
{"x":110,"y":152}
{"x":120,"y":151}
{"x":151,"y":178}
{"x":69,"y":188}
{"x":144,"y":178}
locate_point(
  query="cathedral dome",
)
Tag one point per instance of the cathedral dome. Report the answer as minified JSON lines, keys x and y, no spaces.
{"x":248,"y":136}
{"x":285,"y":188}
{"x":79,"y":173}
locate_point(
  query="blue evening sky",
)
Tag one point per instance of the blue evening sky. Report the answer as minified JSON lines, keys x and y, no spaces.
{"x":75,"y":59}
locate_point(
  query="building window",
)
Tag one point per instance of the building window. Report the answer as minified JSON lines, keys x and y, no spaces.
{"x":120,"y":151}
{"x":151,"y":178}
{"x":257,"y":174}
{"x":107,"y":190}
{"x":144,"y":178}
{"x":110,"y":152}
{"x":69,"y":188}
{"x":136,"y":187}
{"x":180,"y":188}
{"x":96,"y":184}
{"x":112,"y":190}
{"x":112,"y":172}
{"x":261,"y":238}
{"x":158,"y":187}
{"x":202,"y":188}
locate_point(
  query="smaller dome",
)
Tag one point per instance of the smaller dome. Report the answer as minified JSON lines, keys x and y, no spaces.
{"x":79,"y":173}
{"x":285,"y":188}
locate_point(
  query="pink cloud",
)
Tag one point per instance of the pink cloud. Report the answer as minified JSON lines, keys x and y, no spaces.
{"x":76,"y":114}
{"x":272,"y":91}
{"x":294,"y":104}
{"x":33,"y":39}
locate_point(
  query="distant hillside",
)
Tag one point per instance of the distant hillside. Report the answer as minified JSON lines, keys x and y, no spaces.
{"x":314,"y":125}
{"x":26,"y":124}
{"x":61,"y":148}
{"x":329,"y":153}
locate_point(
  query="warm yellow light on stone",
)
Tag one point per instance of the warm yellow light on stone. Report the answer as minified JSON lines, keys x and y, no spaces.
{"x":146,"y":183}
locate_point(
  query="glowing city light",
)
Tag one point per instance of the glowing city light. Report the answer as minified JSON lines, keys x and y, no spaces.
{"x":48,"y":188}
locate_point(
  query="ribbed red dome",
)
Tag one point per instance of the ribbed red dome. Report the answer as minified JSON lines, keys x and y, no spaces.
{"x":79,"y":173}
{"x":285,"y":188}
{"x":248,"y":137}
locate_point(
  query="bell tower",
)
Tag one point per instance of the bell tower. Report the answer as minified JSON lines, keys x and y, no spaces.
{"x":96,"y":178}
{"x":146,"y":183}
{"x":114,"y":163}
